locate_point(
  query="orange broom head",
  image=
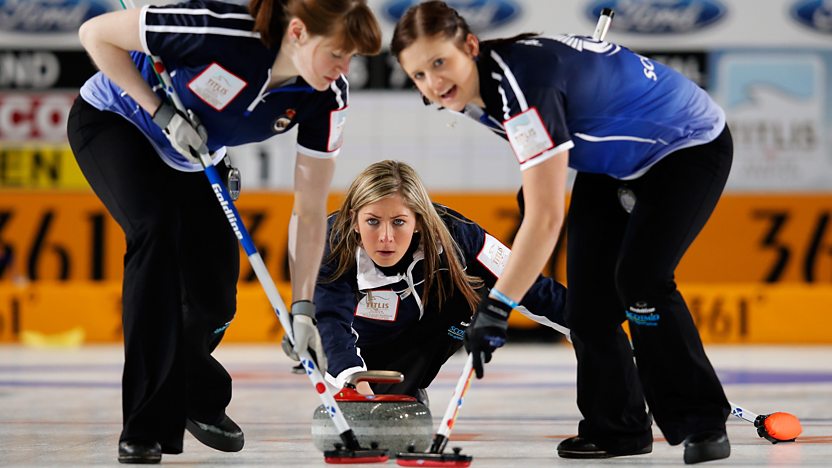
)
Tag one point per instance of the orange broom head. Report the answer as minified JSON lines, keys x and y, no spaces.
{"x":783,"y":426}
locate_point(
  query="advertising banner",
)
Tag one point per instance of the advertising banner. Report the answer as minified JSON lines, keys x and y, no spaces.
{"x":67,"y":315}
{"x":750,"y":238}
{"x":779,"y":108}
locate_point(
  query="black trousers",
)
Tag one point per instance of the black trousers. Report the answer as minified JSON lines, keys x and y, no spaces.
{"x":620,"y":267}
{"x":180,"y":277}
{"x":420,"y":351}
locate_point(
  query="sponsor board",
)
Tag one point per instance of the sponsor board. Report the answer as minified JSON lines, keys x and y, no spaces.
{"x":653,"y":24}
{"x":53,"y":24}
{"x":764,"y":238}
{"x":41,"y":117}
{"x":47,"y":23}
{"x":39,"y":69}
{"x":750,"y":238}
{"x":69,"y":236}
{"x":724,"y":314}
{"x":37,"y":166}
{"x":814,"y":14}
{"x":780,"y":115}
{"x":52,"y":309}
{"x":680,"y":24}
{"x":661,"y":16}
{"x":48,"y":16}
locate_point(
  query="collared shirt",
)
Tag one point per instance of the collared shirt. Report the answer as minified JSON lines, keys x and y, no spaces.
{"x":617,"y":113}
{"x":367,"y":307}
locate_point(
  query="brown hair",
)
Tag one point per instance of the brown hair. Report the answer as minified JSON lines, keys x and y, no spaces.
{"x":351,"y":21}
{"x":428,"y":19}
{"x":436,"y":18}
{"x":381,"y":180}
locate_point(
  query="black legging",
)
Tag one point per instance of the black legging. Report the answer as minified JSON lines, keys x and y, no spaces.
{"x":180,"y":276}
{"x":621,"y":267}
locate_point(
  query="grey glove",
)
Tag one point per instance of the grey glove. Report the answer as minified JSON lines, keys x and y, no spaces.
{"x":306,"y":335}
{"x":185,"y":133}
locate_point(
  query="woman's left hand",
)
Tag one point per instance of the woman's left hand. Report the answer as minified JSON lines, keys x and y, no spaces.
{"x":487,"y":332}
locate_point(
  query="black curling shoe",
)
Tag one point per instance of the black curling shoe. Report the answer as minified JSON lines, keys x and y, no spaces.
{"x":139,"y":452}
{"x":706,"y":446}
{"x":578,"y":447}
{"x":225,"y":436}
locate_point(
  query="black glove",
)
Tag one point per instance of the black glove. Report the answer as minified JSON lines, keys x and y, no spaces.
{"x":487,"y":331}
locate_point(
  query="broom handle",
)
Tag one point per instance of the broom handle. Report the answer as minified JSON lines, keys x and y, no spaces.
{"x":448,"y":420}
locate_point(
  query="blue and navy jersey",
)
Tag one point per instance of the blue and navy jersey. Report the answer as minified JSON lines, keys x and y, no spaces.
{"x":220,"y":70}
{"x":366,"y":307}
{"x":618,"y":113}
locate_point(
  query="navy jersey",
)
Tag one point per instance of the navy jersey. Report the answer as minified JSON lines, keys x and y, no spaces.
{"x":220,"y":70}
{"x":618,"y":113}
{"x":366,"y":307}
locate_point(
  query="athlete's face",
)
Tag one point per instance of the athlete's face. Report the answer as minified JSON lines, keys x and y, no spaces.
{"x":445,"y":73}
{"x":319,"y":61}
{"x":386,"y":228}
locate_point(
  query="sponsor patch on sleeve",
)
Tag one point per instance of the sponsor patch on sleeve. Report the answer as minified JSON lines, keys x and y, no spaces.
{"x":216,"y":86}
{"x":494,"y":255}
{"x":337,"y":119}
{"x":528,"y":135}
{"x":378,"y":305}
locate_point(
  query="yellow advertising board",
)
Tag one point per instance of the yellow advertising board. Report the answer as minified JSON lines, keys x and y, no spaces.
{"x":68,"y":236}
{"x":39,"y":166}
{"x":734,"y":313}
{"x":54,"y":310}
{"x":750,"y":237}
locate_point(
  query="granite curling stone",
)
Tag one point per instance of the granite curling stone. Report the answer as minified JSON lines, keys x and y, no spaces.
{"x":392,"y":422}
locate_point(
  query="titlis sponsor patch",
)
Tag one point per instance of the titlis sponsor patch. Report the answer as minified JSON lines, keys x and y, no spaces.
{"x":642,"y":314}
{"x":229,"y":213}
{"x":660,"y":16}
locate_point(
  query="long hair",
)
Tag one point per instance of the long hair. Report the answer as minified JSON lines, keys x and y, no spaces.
{"x":351,"y":22}
{"x":384,"y":179}
{"x":436,"y":18}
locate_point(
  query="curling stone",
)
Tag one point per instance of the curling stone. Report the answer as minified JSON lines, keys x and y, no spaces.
{"x":393,"y":422}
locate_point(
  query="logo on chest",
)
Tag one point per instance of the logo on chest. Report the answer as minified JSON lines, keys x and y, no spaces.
{"x":216,"y":86}
{"x":282,"y":123}
{"x":378,"y":305}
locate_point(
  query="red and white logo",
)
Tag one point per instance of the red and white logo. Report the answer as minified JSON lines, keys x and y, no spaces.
{"x":34,"y":117}
{"x":216,"y":86}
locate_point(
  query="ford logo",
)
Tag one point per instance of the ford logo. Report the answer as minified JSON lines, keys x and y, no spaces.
{"x":47,"y":16}
{"x":816,"y":14}
{"x":481,"y":15}
{"x":660,"y":16}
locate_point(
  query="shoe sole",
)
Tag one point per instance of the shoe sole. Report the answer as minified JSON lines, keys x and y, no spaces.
{"x":215,"y":441}
{"x":140,"y":460}
{"x":596,"y":455}
{"x":694,"y":454}
{"x":601,"y":454}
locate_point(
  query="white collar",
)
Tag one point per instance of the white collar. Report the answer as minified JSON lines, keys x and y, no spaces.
{"x":371,"y":277}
